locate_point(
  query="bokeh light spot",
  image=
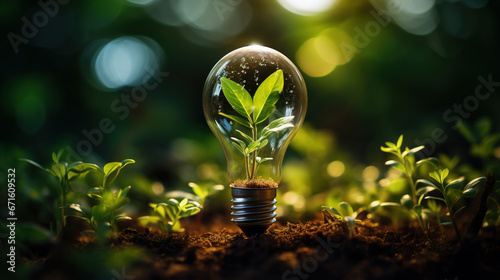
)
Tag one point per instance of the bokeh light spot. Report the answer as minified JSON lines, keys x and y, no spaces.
{"x":126,"y":61}
{"x":295,"y":199}
{"x":307,"y":8}
{"x":335,"y":169}
{"x":157,"y":188}
{"x":311,"y":57}
{"x":370,"y":173}
{"x":412,"y":6}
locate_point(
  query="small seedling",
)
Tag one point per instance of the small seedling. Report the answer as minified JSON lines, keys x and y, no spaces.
{"x":452,"y":192}
{"x":345,"y":212}
{"x":64,"y":173}
{"x":253,"y":112}
{"x":170,"y":213}
{"x":405,"y":162}
{"x":103,"y":217}
{"x":203,"y":191}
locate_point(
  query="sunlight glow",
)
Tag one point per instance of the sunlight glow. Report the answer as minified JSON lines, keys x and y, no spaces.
{"x":320,"y":55}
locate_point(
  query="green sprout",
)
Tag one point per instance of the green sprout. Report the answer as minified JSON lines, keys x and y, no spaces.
{"x":64,"y":173}
{"x":170,"y":213}
{"x":253,"y":112}
{"x":345,"y":213}
{"x":452,"y":193}
{"x":405,"y":163}
{"x":203,"y":191}
{"x":104,"y":216}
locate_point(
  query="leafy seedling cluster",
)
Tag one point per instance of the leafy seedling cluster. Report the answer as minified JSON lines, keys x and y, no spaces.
{"x":104,"y":215}
{"x":253,"y":112}
{"x":451,"y":193}
{"x":167,"y":215}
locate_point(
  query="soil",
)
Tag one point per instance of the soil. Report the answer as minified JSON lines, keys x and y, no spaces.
{"x":255,"y":184}
{"x":318,"y":249}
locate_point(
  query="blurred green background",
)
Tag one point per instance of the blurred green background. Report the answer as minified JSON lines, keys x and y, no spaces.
{"x":130,"y":74}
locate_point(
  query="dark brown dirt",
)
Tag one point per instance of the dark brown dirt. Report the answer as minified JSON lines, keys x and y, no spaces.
{"x":318,"y":249}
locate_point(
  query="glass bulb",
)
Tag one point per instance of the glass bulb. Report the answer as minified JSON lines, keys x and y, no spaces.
{"x":254,"y":102}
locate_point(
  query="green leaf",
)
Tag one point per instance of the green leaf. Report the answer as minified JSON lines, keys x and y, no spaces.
{"x":121,"y":217}
{"x":145,"y":220}
{"x":183,"y":202}
{"x":252,"y":147}
{"x":407,"y":202}
{"x":95,"y":193}
{"x":435,"y":198}
{"x":267,"y":95}
{"x":425,"y":190}
{"x":238,"y":98}
{"x":112,"y":169}
{"x":277,"y":125}
{"x":333,"y":210}
{"x":173,"y":202}
{"x":386,"y":149}
{"x":392,"y":146}
{"x":396,"y":165}
{"x":123,"y":192}
{"x":239,"y":144}
{"x":263,"y":144}
{"x":455,"y":184}
{"x":261,"y":160}
{"x":81,"y":170}
{"x":189,"y":212}
{"x":99,"y":212}
{"x":244,"y":135}
{"x":237,"y":119}
{"x":469,"y":193}
{"x":412,"y":151}
{"x":400,"y":142}
{"x":439,"y":175}
{"x":201,"y":193}
{"x":55,"y":158}
{"x":160,"y":209}
{"x":432,"y":160}
{"x":34,"y":164}
{"x":474,"y":183}
{"x":423,"y":182}
{"x":59,"y":171}
{"x":374,"y":205}
{"x":346,"y":209}
{"x":390,"y":204}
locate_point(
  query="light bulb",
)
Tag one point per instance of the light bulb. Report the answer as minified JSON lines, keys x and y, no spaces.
{"x":254,"y":101}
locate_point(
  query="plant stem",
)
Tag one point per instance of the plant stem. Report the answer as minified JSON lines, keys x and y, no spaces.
{"x":453,"y":220}
{"x":254,"y":153}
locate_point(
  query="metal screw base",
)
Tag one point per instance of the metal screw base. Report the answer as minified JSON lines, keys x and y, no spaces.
{"x":253,"y":209}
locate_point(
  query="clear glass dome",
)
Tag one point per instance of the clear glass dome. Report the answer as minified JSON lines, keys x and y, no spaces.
{"x":244,"y":70}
